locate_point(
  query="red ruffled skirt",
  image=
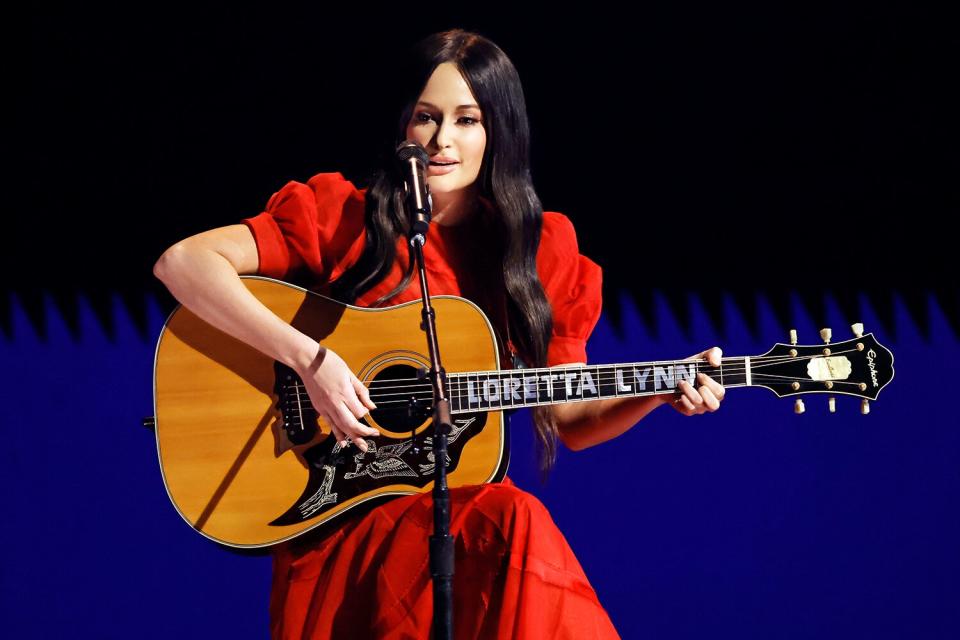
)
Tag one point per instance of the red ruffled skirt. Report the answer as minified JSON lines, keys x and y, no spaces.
{"x":516,"y":576}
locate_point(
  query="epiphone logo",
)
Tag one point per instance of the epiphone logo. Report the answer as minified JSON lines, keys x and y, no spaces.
{"x":871,"y":356}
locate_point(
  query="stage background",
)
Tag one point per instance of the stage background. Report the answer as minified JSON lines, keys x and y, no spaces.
{"x":736,"y":172}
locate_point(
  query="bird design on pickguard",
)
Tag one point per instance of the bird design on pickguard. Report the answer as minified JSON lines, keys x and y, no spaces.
{"x":387,"y":461}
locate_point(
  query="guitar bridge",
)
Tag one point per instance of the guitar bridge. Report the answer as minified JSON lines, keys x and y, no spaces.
{"x":299,"y":418}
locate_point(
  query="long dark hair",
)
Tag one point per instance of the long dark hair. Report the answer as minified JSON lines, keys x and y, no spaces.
{"x":504,"y":180}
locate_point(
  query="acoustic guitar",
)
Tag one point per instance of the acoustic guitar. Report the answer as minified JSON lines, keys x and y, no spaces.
{"x":247,"y":462}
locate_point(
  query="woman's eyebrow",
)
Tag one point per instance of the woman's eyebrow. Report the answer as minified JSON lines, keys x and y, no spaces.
{"x":462,"y":106}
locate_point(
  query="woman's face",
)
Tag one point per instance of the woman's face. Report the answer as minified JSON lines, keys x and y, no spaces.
{"x":447,"y":121}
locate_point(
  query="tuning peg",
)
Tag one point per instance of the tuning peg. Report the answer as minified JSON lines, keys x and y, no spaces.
{"x":793,"y":336}
{"x":798,"y":406}
{"x":832,"y":404}
{"x":857,"y":329}
{"x":865,"y":406}
{"x":826,"y":334}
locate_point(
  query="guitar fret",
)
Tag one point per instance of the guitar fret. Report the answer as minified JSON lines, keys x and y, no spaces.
{"x":453,"y":388}
{"x":483,"y":392}
{"x":558,"y":391}
{"x":473,"y":390}
{"x":606,"y":386}
{"x":478,"y":391}
{"x":506,"y":401}
{"x":527,"y":392}
{"x":620,"y":382}
{"x":738,"y":374}
{"x":509,"y":389}
{"x":518,"y":387}
{"x":491,"y":391}
{"x":459,"y":393}
{"x":545,"y":391}
{"x":502,"y":391}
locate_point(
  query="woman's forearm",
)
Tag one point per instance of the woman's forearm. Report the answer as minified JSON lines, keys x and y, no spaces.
{"x":585,"y":424}
{"x":207,"y":284}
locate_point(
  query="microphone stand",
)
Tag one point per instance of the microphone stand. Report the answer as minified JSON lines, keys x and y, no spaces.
{"x":441,"y":542}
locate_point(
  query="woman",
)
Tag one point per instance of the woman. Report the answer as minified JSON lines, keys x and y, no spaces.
{"x":516,"y":576}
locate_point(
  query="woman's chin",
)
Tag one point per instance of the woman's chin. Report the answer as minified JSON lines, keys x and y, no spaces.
{"x":439,"y":185}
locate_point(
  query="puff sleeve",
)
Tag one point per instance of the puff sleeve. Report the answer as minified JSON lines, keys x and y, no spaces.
{"x":573,"y":285}
{"x":308,"y":229}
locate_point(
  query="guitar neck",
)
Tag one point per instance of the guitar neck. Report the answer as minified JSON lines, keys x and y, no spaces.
{"x":517,"y":388}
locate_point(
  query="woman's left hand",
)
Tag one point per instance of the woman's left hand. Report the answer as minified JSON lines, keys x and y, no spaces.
{"x":708,"y":393}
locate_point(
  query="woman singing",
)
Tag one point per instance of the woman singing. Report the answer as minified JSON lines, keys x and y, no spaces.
{"x":491,"y":242}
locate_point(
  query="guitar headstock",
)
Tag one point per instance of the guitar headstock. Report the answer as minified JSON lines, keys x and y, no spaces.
{"x":858,"y":367}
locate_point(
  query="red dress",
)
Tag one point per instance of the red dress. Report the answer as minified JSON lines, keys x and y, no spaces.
{"x":515,"y":576}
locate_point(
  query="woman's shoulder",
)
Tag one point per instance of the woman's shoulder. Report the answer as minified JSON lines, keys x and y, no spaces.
{"x":332,"y":180}
{"x":558,"y":257}
{"x":558,"y":238}
{"x":333,"y":186}
{"x":311,"y":224}
{"x":321,"y":192}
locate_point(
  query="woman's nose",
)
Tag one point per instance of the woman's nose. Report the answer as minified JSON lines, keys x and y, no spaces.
{"x":444,"y":134}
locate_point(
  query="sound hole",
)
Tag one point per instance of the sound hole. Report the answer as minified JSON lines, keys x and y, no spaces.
{"x":403,"y":401}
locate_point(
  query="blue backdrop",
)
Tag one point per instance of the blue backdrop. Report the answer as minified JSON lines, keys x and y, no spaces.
{"x":748,"y":522}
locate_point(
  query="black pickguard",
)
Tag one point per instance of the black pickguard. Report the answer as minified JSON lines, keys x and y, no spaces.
{"x":339,"y":474}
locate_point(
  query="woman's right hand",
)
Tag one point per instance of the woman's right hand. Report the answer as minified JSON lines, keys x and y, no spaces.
{"x":339,"y":397}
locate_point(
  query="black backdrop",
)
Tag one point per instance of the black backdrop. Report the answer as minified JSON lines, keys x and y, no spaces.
{"x":707,"y":150}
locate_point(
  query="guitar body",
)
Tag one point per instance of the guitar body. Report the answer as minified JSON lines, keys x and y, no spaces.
{"x":246,"y":461}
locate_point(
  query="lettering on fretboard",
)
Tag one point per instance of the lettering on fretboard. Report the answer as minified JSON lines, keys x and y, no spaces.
{"x":514,"y":388}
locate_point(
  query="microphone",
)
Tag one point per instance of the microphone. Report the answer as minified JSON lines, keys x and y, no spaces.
{"x":413,"y":160}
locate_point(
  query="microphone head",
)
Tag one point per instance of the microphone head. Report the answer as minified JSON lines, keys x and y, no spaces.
{"x":412,"y":149}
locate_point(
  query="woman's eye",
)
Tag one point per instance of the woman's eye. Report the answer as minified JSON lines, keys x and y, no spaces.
{"x":426,"y":117}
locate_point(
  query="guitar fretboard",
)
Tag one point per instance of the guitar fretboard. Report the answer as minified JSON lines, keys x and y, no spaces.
{"x":517,"y":388}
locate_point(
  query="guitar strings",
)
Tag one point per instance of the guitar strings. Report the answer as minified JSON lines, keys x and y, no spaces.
{"x":427,"y":396}
{"x":423,"y":390}
{"x":604,"y":373}
{"x":461,"y":381}
{"x":756,"y":362}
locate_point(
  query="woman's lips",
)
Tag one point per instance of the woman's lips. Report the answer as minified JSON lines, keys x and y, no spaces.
{"x":439,"y":170}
